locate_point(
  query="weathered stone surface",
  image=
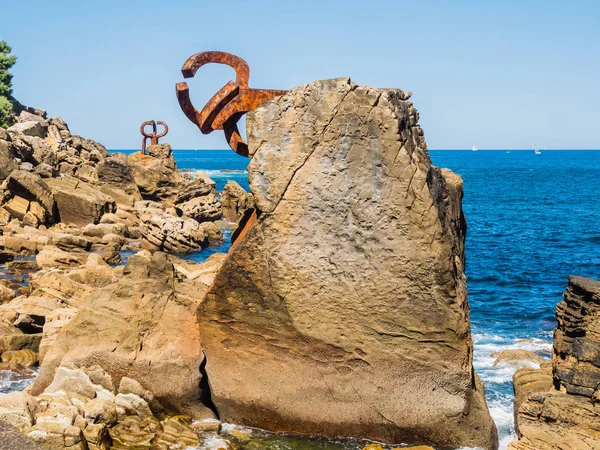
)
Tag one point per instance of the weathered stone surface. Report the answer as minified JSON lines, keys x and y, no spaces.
{"x":142,"y":327}
{"x":78,"y":202}
{"x":234,"y":201}
{"x":30,"y":128}
{"x":31,"y":187}
{"x":12,"y":439}
{"x":156,"y":178}
{"x":557,"y":408}
{"x":51,"y":256}
{"x":172,"y":234}
{"x":8,"y":163}
{"x":343,"y":310}
{"x":193,"y":189}
{"x":116,"y":180}
{"x":577,"y":338}
{"x":162,"y":151}
{"x":16,"y":408}
{"x":202,"y":209}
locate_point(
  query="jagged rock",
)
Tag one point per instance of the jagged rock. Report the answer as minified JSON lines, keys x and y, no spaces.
{"x":78,"y":202}
{"x":193,"y":189}
{"x":116,"y":180}
{"x":31,"y":187}
{"x":557,"y":409}
{"x":43,"y":152}
{"x":97,"y":437}
{"x":202,"y":209}
{"x":88,"y":145}
{"x":142,"y":327}
{"x":162,"y":151}
{"x":172,"y":234}
{"x":101,"y":411}
{"x":45,"y":171}
{"x":343,"y":310}
{"x":12,"y":338}
{"x":133,"y":404}
{"x":58,"y":130}
{"x":8,"y":163}
{"x":577,"y":338}
{"x":157,"y":179}
{"x":31,"y":128}
{"x":87,"y":173}
{"x":235,"y":201}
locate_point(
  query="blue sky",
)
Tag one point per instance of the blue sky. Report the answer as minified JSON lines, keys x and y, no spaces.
{"x":504,"y":74}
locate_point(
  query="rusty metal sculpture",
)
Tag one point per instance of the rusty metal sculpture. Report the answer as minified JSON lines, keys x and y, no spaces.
{"x":153,"y":136}
{"x":231,"y":102}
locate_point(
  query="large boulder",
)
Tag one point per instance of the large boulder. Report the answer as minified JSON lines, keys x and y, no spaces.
{"x":78,"y":202}
{"x":342,"y":309}
{"x":557,"y":408}
{"x":143,"y":327}
{"x":156,"y":178}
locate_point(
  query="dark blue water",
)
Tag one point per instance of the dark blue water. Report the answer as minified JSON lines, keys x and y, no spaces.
{"x":533,"y":220}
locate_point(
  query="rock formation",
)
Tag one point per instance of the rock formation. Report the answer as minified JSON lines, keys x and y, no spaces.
{"x":141,"y":327}
{"x":559,"y":407}
{"x":235,"y":201}
{"x":343,"y":310}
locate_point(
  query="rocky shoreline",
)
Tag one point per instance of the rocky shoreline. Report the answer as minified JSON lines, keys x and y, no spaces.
{"x":69,"y":210}
{"x":341,"y":309}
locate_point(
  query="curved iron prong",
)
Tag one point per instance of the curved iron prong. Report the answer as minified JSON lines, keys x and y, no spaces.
{"x":194,"y":62}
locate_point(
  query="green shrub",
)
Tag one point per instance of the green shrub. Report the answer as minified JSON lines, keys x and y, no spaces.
{"x":6,"y":62}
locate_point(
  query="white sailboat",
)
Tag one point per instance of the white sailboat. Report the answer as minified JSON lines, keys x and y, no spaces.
{"x":536,"y":150}
{"x":474,"y":149}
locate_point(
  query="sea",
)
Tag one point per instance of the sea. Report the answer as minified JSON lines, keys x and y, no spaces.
{"x":533,"y":220}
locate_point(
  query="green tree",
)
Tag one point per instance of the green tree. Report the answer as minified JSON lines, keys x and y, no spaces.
{"x":6,"y":62}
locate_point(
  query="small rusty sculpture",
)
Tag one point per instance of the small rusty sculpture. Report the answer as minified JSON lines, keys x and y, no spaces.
{"x":153,"y":136}
{"x":225,"y":108}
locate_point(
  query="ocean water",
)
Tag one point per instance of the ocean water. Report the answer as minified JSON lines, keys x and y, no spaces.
{"x":533,"y":220}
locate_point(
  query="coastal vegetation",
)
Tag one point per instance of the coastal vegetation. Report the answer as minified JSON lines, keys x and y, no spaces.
{"x":7,"y":61}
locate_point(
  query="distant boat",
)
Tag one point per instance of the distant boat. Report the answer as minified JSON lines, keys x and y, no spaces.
{"x":537,"y":151}
{"x":474,"y":149}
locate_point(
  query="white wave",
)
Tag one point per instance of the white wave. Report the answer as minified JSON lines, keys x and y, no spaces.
{"x":501,"y":406}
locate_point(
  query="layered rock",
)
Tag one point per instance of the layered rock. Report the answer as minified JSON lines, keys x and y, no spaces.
{"x":78,"y":202}
{"x":165,"y":232}
{"x":559,"y":408}
{"x":342,"y":309}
